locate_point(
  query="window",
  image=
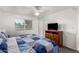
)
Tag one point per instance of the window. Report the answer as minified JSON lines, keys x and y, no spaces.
{"x":22,"y":24}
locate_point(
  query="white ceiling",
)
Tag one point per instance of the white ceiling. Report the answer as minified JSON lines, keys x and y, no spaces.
{"x":31,"y":9}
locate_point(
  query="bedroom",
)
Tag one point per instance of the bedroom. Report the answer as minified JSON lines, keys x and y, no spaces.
{"x":37,"y":18}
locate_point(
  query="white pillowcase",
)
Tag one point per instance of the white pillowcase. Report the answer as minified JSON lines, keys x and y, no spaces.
{"x":3,"y":34}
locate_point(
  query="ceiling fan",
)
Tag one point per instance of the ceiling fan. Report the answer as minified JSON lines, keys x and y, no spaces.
{"x":37,"y":8}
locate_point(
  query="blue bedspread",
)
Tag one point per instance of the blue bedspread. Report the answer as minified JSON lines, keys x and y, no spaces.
{"x":32,"y":44}
{"x":36,"y":44}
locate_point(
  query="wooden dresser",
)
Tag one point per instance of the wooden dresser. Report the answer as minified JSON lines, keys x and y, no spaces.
{"x":57,"y":36}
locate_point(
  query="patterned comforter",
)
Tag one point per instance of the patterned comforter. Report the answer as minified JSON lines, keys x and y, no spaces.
{"x":36,"y":44}
{"x":28,"y":44}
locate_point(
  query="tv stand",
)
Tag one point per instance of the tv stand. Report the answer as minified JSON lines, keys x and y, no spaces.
{"x":55,"y":35}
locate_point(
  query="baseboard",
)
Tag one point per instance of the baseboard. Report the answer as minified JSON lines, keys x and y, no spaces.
{"x":69,"y":48}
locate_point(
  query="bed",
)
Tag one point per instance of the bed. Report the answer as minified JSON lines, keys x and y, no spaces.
{"x":27,"y":43}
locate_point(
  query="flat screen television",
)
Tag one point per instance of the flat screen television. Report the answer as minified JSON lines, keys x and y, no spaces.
{"x":53,"y":26}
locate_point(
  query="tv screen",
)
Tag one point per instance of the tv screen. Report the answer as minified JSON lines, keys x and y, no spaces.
{"x":53,"y":26}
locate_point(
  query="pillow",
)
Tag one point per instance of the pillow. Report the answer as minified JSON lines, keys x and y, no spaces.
{"x":3,"y":46}
{"x":20,"y":42}
{"x":3,"y":36}
{"x":1,"y":40}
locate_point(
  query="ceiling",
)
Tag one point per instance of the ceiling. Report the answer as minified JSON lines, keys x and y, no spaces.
{"x":25,"y":10}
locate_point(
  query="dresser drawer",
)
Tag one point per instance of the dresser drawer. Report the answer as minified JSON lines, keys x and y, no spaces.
{"x":55,"y":36}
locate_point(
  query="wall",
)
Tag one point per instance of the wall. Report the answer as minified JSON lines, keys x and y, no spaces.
{"x":67,"y":24}
{"x":7,"y":22}
{"x":77,"y":41}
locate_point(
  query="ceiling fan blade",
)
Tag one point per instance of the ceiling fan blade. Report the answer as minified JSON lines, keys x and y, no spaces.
{"x":38,"y":7}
